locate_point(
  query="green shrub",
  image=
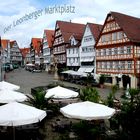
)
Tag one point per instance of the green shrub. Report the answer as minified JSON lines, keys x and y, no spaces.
{"x":90,"y":94}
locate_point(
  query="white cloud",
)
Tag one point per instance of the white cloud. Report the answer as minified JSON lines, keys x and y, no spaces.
{"x":84,"y":20}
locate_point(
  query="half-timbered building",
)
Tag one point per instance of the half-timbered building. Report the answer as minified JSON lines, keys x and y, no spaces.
{"x":47,"y":46}
{"x":36,"y":50}
{"x":63,"y":32}
{"x":15,"y":53}
{"x":118,"y":49}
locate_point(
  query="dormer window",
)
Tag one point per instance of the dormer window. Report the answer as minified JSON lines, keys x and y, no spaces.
{"x":72,"y":42}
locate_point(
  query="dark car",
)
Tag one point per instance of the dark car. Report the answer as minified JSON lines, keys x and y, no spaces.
{"x":6,"y":67}
{"x":15,"y":66}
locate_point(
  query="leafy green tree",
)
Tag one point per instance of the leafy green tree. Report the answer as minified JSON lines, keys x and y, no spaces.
{"x":90,"y":94}
{"x":129,"y":117}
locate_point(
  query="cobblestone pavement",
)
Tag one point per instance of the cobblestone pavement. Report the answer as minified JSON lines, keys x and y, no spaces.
{"x":27,"y":80}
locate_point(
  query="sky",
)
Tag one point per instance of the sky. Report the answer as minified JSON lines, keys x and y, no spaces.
{"x":25,"y":19}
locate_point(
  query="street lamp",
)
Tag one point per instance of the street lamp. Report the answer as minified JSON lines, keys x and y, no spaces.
{"x":56,"y":77}
{"x":119,"y":76}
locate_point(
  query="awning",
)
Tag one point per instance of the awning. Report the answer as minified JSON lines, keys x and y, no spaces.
{"x":82,"y":69}
{"x":89,"y":69}
{"x":88,"y":59}
{"x":86,"y":69}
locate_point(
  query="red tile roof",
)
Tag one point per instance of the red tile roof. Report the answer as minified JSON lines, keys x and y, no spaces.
{"x":95,"y":29}
{"x":36,"y":43}
{"x":69,"y":28}
{"x":50,"y":37}
{"x":12,"y":43}
{"x":4,"y":43}
{"x":24,"y":51}
{"x":129,"y":24}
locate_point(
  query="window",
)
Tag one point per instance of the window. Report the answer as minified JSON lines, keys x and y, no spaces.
{"x":104,"y":52}
{"x":128,"y":50}
{"x":111,"y":65}
{"x":72,"y":42}
{"x":117,"y":65}
{"x":122,"y":50}
{"x":83,"y":49}
{"x":129,"y":65}
{"x":88,"y":38}
{"x":76,"y":50}
{"x":109,"y":52}
{"x":73,"y":50}
{"x":123,"y":65}
{"x":105,"y":65}
{"x":103,"y":38}
{"x":99,"y":52}
{"x":120,"y":35}
{"x":115,"y":51}
{"x":114,"y":36}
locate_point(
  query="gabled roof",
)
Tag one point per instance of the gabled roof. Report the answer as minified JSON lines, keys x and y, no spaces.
{"x":50,"y":37}
{"x":129,"y":24}
{"x":95,"y":29}
{"x":24,"y":51}
{"x":69,"y":28}
{"x":36,"y":44}
{"x":4,"y":43}
{"x":12,"y":43}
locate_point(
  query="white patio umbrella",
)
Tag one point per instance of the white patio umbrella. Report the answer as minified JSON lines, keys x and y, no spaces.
{"x":68,"y":71}
{"x":7,"y":96}
{"x":60,"y":93}
{"x":87,"y":111}
{"x":7,"y":85}
{"x":15,"y":114}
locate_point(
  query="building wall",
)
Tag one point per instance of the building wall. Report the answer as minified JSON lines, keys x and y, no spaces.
{"x":15,"y":54}
{"x":59,"y":47}
{"x":115,"y":54}
{"x":87,"y":50}
{"x":73,"y":53}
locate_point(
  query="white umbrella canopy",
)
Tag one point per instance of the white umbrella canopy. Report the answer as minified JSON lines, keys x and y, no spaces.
{"x":7,"y":96}
{"x":60,"y":93}
{"x":68,"y":71}
{"x":15,"y":114}
{"x":7,"y":85}
{"x":87,"y":111}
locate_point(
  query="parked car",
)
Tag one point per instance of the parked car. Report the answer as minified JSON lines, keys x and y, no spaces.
{"x":30,"y":67}
{"x":15,"y":66}
{"x":7,"y":67}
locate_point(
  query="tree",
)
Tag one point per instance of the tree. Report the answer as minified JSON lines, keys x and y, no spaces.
{"x":129,"y":117}
{"x":90,"y":94}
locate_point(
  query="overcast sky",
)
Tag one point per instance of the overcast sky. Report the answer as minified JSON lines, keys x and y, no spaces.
{"x":13,"y":25}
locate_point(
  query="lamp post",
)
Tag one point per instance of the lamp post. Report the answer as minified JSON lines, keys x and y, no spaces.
{"x":56,"y":77}
{"x":119,"y":77}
